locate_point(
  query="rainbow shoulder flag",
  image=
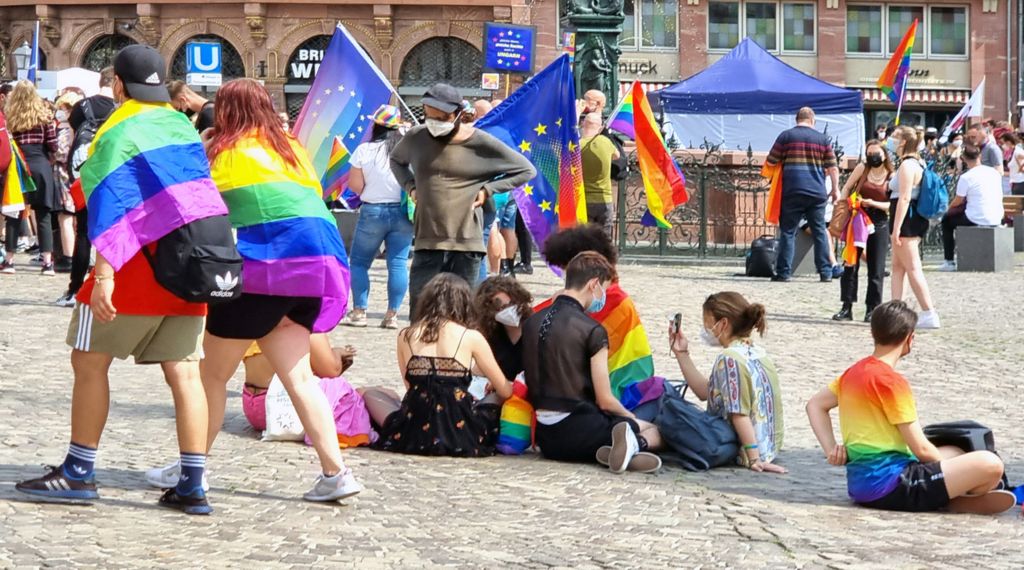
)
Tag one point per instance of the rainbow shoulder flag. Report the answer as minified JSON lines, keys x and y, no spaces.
{"x":17,"y":181}
{"x":629,"y":353}
{"x":621,"y":119}
{"x":146,"y":175}
{"x":288,"y":239}
{"x":893,"y":80}
{"x":663,"y":180}
{"x":336,"y":175}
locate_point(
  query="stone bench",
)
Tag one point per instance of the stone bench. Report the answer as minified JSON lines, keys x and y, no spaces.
{"x":985,"y":249}
{"x":803,"y":254}
{"x":1018,"y":232}
{"x":346,"y":220}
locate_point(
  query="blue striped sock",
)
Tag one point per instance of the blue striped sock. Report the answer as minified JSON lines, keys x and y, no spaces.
{"x":80,"y":462}
{"x":192,"y":467}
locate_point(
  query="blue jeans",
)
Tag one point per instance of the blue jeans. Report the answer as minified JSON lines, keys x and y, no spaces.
{"x":388,"y":224}
{"x":795,"y":208}
{"x":488,"y":222}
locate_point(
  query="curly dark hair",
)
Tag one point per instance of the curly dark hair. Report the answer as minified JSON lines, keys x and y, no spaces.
{"x":560,"y":248}
{"x":445,"y":298}
{"x":485,"y":306}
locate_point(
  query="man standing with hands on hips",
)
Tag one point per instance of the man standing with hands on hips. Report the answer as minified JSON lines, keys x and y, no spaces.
{"x":449,"y":168}
{"x":807,"y":157}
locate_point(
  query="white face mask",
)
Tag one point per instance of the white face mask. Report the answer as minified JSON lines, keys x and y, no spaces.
{"x":957,"y":143}
{"x":62,"y":116}
{"x":508,"y":316}
{"x":708,"y":338}
{"x":438,"y":128}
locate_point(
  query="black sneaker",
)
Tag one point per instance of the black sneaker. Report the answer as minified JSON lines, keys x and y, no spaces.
{"x":194,"y":503}
{"x":63,"y":265}
{"x":524,"y":268}
{"x":47,"y":270}
{"x":55,"y":486}
{"x":781,"y":279}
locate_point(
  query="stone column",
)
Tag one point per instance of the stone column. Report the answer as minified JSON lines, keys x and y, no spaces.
{"x":598,"y":24}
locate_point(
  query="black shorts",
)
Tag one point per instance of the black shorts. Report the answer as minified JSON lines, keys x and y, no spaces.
{"x":914,"y":226}
{"x":252,"y":317}
{"x":921,"y":488}
{"x":580,"y":435}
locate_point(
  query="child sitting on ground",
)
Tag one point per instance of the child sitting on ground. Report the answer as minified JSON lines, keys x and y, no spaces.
{"x":889,"y":462}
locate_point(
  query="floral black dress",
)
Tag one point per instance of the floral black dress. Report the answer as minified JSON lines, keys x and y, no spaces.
{"x":438,"y":415}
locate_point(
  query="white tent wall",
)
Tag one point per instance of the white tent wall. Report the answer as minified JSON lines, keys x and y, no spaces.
{"x":759,"y":131}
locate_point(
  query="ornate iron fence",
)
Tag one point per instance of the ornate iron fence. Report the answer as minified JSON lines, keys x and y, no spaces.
{"x":725,"y":211}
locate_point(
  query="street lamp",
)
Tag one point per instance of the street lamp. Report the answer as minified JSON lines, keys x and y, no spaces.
{"x":22,"y":57}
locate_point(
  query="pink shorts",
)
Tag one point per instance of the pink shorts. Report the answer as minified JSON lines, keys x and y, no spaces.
{"x":254,"y":406}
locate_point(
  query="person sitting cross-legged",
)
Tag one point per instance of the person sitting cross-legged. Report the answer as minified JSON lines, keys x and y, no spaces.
{"x":890,"y":464}
{"x":565,"y":356}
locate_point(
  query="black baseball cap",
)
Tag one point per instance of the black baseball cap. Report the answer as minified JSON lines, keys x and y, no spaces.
{"x":443,"y":97}
{"x":142,"y":70}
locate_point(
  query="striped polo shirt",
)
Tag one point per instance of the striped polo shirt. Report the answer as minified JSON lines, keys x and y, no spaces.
{"x":805,"y":154}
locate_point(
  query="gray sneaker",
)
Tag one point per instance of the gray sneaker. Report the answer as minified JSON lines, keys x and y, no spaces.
{"x":355,"y":318}
{"x":341,"y":486}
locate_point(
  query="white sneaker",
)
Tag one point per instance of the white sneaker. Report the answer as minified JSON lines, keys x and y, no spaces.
{"x":66,"y":300}
{"x":166,"y":477}
{"x":948,"y":266}
{"x":624,"y":448}
{"x":928,"y":320}
{"x":340,"y":486}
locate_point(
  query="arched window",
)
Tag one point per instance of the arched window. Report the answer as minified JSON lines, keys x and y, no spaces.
{"x":232,"y":66}
{"x":302,"y":67}
{"x":449,"y":60}
{"x":102,"y":51}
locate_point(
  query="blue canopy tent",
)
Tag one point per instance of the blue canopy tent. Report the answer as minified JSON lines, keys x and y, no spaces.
{"x":750,"y":96}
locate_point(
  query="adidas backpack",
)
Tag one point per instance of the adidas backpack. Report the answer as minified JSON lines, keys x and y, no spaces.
{"x":933,"y":200}
{"x":199,"y":262}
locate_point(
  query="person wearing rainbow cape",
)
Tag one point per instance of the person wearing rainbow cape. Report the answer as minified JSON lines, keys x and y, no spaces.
{"x":294,"y":276}
{"x":146,"y":176}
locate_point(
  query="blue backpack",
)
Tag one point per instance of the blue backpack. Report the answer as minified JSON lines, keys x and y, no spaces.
{"x":933,"y":201}
{"x":698,"y":441}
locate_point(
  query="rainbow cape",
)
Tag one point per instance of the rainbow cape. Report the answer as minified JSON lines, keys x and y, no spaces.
{"x":288,"y":239}
{"x":17,"y":181}
{"x":621,"y":119}
{"x":146,"y":175}
{"x":857,"y":231}
{"x":664,"y":183}
{"x":629,"y":354}
{"x":893,"y":80}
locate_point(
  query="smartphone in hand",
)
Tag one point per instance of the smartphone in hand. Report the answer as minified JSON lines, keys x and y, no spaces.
{"x":677,"y":322}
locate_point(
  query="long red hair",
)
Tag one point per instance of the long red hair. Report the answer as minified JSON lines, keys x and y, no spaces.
{"x":244,"y":106}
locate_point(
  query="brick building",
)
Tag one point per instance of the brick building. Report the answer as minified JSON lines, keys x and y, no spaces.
{"x":280,"y":42}
{"x":416,"y":43}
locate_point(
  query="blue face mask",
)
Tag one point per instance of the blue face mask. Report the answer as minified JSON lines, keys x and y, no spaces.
{"x":891,"y":144}
{"x":598,"y":303}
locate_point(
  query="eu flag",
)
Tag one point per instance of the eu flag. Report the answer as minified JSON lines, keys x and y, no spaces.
{"x":347,"y":90}
{"x":539,"y":120}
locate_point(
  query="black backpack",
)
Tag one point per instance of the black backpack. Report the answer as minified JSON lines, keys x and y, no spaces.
{"x":699,"y":441}
{"x":199,"y":262}
{"x":968,"y":435}
{"x":761,"y":257}
{"x":83,"y":138}
{"x":620,"y":166}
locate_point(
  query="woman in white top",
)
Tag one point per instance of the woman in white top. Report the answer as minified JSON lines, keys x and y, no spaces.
{"x":907,"y":227}
{"x":1012,"y":146}
{"x":383,"y":219}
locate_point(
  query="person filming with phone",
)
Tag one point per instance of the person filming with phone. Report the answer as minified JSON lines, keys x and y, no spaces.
{"x":743,"y":386}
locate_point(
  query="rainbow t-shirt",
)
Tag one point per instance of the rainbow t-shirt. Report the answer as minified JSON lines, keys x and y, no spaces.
{"x":873,"y":400}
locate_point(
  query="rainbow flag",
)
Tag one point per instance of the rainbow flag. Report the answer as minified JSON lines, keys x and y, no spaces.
{"x":335,"y":178}
{"x":347,"y":89}
{"x":517,"y":423}
{"x":17,"y":181}
{"x":663,"y":181}
{"x":146,"y":175}
{"x":893,"y":80}
{"x":621,"y":119}
{"x":288,"y":239}
{"x":629,"y":353}
{"x":539,"y":119}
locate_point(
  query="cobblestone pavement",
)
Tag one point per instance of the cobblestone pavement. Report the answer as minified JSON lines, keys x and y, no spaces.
{"x":523,"y":511}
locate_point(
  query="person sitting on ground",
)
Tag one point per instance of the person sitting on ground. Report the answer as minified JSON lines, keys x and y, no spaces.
{"x":565,"y":356}
{"x":501,"y":305}
{"x":436,"y":353}
{"x":890,"y":464}
{"x":978,"y":202}
{"x":630,"y":359}
{"x":744,"y":384}
{"x":326,"y":361}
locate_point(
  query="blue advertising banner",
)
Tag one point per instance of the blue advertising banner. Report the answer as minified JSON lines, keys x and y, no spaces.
{"x":509,"y":48}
